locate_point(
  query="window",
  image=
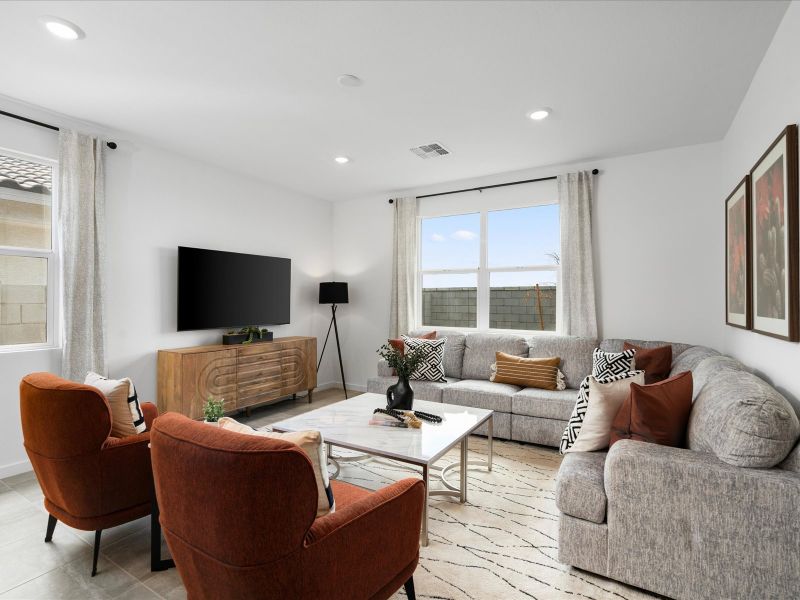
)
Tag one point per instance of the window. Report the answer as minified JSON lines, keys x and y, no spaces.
{"x":28,"y":268}
{"x":495,"y":269}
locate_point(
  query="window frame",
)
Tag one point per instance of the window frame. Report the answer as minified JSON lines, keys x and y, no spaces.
{"x":53,"y":257}
{"x":484,"y":273}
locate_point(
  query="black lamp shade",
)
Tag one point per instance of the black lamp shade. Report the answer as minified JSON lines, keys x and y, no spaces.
{"x":333,"y":292}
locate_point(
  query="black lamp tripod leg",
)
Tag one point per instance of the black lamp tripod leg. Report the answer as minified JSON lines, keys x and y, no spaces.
{"x":339,"y":349}
{"x":321,"y":354}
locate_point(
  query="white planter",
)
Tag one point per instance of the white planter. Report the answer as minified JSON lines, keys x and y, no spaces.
{"x":213,"y":423}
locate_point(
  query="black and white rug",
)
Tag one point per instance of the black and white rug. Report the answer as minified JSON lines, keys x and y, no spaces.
{"x":503,"y":543}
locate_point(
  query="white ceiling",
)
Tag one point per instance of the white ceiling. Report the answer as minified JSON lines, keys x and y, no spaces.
{"x":252,"y":86}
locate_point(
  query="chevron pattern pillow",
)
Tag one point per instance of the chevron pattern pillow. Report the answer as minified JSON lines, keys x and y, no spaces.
{"x":432,"y":366}
{"x":606,"y":367}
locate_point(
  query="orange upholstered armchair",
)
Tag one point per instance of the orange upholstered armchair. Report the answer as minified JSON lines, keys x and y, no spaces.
{"x":90,"y":481}
{"x":239,"y":515}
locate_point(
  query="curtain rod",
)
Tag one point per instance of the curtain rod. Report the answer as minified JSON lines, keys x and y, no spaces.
{"x":487,"y":187}
{"x":112,"y":145}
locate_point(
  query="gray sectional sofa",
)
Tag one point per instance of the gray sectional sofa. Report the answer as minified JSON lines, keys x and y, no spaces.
{"x":521,"y":414}
{"x":719,"y":519}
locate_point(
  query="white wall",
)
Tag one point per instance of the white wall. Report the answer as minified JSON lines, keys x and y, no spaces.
{"x":658,"y":247}
{"x":155,"y":201}
{"x":772,"y":102}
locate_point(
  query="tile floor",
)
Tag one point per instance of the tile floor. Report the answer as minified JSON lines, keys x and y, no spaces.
{"x":31,"y":569}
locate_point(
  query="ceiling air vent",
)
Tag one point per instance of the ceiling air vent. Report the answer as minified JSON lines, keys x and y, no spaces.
{"x":430,"y":150}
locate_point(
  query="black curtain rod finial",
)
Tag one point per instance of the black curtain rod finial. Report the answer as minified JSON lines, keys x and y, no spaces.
{"x":112,"y":145}
{"x":391,"y":201}
{"x":595,"y":171}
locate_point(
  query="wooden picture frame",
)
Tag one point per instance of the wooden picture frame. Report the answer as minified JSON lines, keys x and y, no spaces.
{"x":774,"y":239}
{"x":738,"y":291}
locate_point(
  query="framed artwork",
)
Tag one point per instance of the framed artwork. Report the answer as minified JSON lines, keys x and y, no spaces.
{"x":738,"y":311}
{"x":774,"y":239}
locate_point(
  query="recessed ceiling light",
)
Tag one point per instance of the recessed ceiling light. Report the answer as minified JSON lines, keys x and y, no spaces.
{"x":347,"y":80}
{"x":539,"y":114}
{"x":62,"y":28}
{"x":342,"y":160}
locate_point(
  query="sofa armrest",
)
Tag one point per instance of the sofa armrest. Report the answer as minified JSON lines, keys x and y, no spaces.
{"x":384,"y":370}
{"x":126,"y":471}
{"x":150,"y":413}
{"x":364,"y":542}
{"x":731,"y":532}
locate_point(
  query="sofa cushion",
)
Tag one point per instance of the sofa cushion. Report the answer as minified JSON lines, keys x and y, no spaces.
{"x":711,"y":366}
{"x":575,"y":354}
{"x":616,"y":345}
{"x":548,"y":404}
{"x":690,"y":358}
{"x":655,"y":413}
{"x":423,"y":390}
{"x":580,"y":490}
{"x":431,"y":367}
{"x":540,"y":373}
{"x":479,"y":393}
{"x":399,"y":345}
{"x":743,"y":420}
{"x":453,"y":349}
{"x":480,"y":351}
{"x":655,"y":362}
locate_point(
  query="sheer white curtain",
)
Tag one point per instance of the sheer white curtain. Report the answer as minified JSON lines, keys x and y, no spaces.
{"x":404,"y":267}
{"x":577,"y":311}
{"x":82,"y":221}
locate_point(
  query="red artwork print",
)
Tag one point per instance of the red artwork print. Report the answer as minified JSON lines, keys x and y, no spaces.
{"x":770,"y":247}
{"x":737,"y":257}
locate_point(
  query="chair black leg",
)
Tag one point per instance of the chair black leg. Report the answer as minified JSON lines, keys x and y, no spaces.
{"x":409,"y":587}
{"x":51,"y":525}
{"x":96,"y":551}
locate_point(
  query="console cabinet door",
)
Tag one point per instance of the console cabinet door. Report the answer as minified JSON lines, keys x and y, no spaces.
{"x":298,"y":366}
{"x":208,"y":374}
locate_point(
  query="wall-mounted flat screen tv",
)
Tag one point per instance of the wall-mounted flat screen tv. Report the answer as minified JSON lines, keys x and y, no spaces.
{"x":227,"y":289}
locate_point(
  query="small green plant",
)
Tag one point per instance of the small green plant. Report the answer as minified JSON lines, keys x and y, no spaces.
{"x":212,"y":409}
{"x":404,"y":364}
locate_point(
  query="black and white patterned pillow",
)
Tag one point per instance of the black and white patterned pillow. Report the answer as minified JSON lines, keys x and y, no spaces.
{"x":606,"y":367}
{"x":432,"y":366}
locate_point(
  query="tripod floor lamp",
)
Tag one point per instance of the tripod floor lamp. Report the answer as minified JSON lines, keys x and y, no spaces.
{"x":333,"y":293}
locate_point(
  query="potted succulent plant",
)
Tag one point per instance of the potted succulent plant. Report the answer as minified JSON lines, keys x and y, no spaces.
{"x":213,"y":410}
{"x":247,"y":335}
{"x":400,"y":396}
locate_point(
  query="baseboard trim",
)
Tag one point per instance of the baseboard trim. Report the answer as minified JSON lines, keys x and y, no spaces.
{"x":338,"y":384}
{"x":16,"y":468}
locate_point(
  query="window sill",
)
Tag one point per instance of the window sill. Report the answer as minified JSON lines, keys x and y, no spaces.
{"x":19,"y":348}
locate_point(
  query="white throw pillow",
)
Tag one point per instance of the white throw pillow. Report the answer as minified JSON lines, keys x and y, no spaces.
{"x":605,"y":400}
{"x":311,"y":443}
{"x":127,"y":417}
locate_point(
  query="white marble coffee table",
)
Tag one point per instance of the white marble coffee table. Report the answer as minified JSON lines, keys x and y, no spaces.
{"x":346,"y":424}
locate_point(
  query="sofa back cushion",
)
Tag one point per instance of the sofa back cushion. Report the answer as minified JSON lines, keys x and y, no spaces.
{"x":690,"y":358}
{"x":616,"y":345}
{"x":453,"y":350}
{"x":481,"y":349}
{"x":742,"y":419}
{"x":575,"y":354}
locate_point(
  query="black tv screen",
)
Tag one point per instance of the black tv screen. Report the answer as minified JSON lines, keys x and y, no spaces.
{"x":227,"y":289}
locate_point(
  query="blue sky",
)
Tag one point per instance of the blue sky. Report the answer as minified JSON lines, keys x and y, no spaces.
{"x":516,"y":237}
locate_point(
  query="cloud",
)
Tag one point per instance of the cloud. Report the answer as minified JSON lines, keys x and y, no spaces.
{"x":463,"y":235}
{"x":437,"y":237}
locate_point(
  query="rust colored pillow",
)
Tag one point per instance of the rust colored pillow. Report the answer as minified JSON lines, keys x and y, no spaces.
{"x":398,"y":345}
{"x":656,"y":413}
{"x":655,"y":362}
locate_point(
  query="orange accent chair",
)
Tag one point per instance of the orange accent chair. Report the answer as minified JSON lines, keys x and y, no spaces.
{"x":239,"y":516}
{"x":90,"y":480}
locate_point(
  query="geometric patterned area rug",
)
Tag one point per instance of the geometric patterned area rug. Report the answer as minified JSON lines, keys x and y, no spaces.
{"x":503,"y":543}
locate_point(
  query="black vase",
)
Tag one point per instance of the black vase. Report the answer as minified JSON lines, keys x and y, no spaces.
{"x":400,"y":396}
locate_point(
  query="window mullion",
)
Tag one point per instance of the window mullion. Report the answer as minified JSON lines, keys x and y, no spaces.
{"x":483,"y":275}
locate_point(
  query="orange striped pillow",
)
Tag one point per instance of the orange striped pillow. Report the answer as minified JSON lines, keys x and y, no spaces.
{"x":528,"y":372}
